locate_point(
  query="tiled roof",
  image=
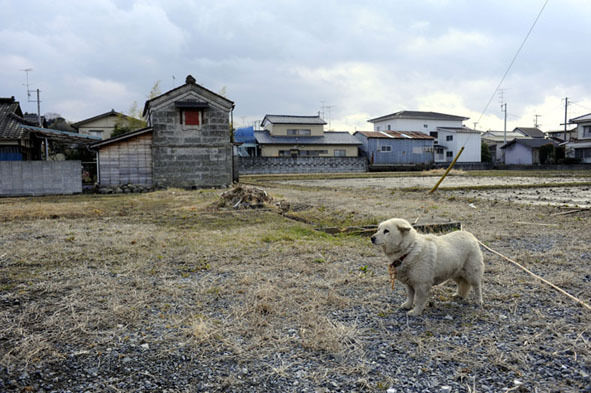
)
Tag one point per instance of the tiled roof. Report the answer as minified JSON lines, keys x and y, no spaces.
{"x":531,"y":132}
{"x":289,"y":119}
{"x":329,"y":138}
{"x":10,"y":121}
{"x":418,"y":115}
{"x":530,"y":142}
{"x":112,"y":112}
{"x":395,"y":134}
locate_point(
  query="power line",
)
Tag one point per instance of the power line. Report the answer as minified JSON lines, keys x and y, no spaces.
{"x":513,"y":60}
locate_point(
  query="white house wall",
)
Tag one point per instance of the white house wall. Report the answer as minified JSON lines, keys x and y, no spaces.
{"x":415,"y":125}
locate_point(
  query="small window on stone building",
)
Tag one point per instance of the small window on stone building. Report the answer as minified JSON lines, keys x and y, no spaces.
{"x":191,"y":117}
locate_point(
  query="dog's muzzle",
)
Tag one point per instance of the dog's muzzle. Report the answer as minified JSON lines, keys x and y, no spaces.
{"x":373,"y":239}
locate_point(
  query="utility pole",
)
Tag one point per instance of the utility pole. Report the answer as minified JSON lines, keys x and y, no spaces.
{"x":565,"y":115}
{"x":504,"y":109}
{"x":536,"y":120}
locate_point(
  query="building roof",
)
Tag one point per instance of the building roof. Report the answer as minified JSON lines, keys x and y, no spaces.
{"x":11,"y":119}
{"x":581,"y":119}
{"x":121,"y":137}
{"x":459,"y":130}
{"x":394,"y":135}
{"x":532,"y":132}
{"x":329,"y":138}
{"x":290,"y":119}
{"x":14,"y":126}
{"x":189,"y":81}
{"x":499,"y":136}
{"x":61,"y":136}
{"x":530,"y":142}
{"x":112,"y":112}
{"x":418,"y":115}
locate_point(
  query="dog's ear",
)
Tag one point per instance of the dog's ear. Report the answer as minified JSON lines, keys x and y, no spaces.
{"x":404,"y":227}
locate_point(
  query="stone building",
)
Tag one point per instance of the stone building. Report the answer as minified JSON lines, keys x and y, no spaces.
{"x":188,"y":137}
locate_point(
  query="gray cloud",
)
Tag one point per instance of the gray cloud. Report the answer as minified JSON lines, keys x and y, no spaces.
{"x":364,"y":59}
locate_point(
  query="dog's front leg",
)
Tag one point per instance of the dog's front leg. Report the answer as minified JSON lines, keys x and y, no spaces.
{"x":421,"y":296}
{"x":410,"y":295}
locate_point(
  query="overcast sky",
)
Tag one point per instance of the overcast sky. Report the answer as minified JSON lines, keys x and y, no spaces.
{"x":358,"y":59}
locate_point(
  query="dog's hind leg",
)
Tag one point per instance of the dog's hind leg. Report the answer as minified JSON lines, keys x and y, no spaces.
{"x":410,"y":295}
{"x":463,"y":287}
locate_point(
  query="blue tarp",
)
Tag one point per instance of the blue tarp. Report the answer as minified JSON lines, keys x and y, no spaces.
{"x":244,"y":135}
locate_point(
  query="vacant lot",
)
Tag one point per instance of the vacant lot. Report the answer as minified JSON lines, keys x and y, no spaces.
{"x":167,"y":292}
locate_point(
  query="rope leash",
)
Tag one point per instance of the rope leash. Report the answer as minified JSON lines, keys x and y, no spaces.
{"x":536,"y":276}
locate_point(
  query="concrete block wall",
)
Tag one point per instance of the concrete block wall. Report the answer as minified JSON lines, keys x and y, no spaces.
{"x":191,"y":156}
{"x":278,"y":165}
{"x":32,"y":178}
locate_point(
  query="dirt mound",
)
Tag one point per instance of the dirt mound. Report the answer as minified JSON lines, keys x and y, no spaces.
{"x":244,"y":197}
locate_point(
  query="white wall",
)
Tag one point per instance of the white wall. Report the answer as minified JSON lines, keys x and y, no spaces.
{"x":415,"y":125}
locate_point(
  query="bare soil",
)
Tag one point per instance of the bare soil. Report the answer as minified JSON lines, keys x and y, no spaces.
{"x":166,"y":291}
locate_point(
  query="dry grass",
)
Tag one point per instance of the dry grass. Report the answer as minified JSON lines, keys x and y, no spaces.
{"x":84,"y":273}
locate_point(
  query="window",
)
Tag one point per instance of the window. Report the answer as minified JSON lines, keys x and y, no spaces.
{"x":449,"y":154}
{"x":433,"y":134}
{"x":340,"y":153}
{"x":191,"y":117}
{"x":96,"y":133}
{"x":389,"y":128}
{"x":386,"y":148}
{"x":449,"y":138}
{"x":312,"y":153}
{"x":586,"y":131}
{"x":299,"y":132}
{"x":425,"y":126}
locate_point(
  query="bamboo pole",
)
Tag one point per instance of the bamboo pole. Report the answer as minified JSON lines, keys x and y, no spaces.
{"x":536,"y":276}
{"x":447,"y":171}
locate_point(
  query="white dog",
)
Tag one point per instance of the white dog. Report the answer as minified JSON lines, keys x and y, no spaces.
{"x":422,"y":261}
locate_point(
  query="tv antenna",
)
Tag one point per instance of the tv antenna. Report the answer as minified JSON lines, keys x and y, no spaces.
{"x":27,"y":70}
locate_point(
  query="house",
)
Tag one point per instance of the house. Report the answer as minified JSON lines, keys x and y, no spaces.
{"x":303,"y":136}
{"x":580,"y":147}
{"x":104,"y":124}
{"x":495,"y":139}
{"x":525,"y":151}
{"x":16,"y":142}
{"x":22,"y":140}
{"x":449,"y":132}
{"x":449,"y":141}
{"x":187,"y":143}
{"x":391,"y":148}
{"x":28,"y":163}
{"x":561,"y":135}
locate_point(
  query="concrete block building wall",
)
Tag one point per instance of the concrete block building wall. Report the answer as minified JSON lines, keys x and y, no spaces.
{"x":191,"y":156}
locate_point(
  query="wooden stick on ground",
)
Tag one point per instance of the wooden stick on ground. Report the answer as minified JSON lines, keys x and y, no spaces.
{"x":536,"y":276}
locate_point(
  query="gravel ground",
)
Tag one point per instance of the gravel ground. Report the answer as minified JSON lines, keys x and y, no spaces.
{"x":158,"y":293}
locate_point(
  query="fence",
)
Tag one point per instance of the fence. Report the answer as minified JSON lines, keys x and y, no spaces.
{"x":31,"y":178}
{"x":278,"y":165}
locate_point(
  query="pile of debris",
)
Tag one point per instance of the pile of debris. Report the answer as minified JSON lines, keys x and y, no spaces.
{"x":244,"y":197}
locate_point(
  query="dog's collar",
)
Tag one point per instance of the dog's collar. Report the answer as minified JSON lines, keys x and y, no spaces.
{"x":398,"y":262}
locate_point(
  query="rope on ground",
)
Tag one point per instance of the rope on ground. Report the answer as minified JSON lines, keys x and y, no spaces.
{"x":536,"y":276}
